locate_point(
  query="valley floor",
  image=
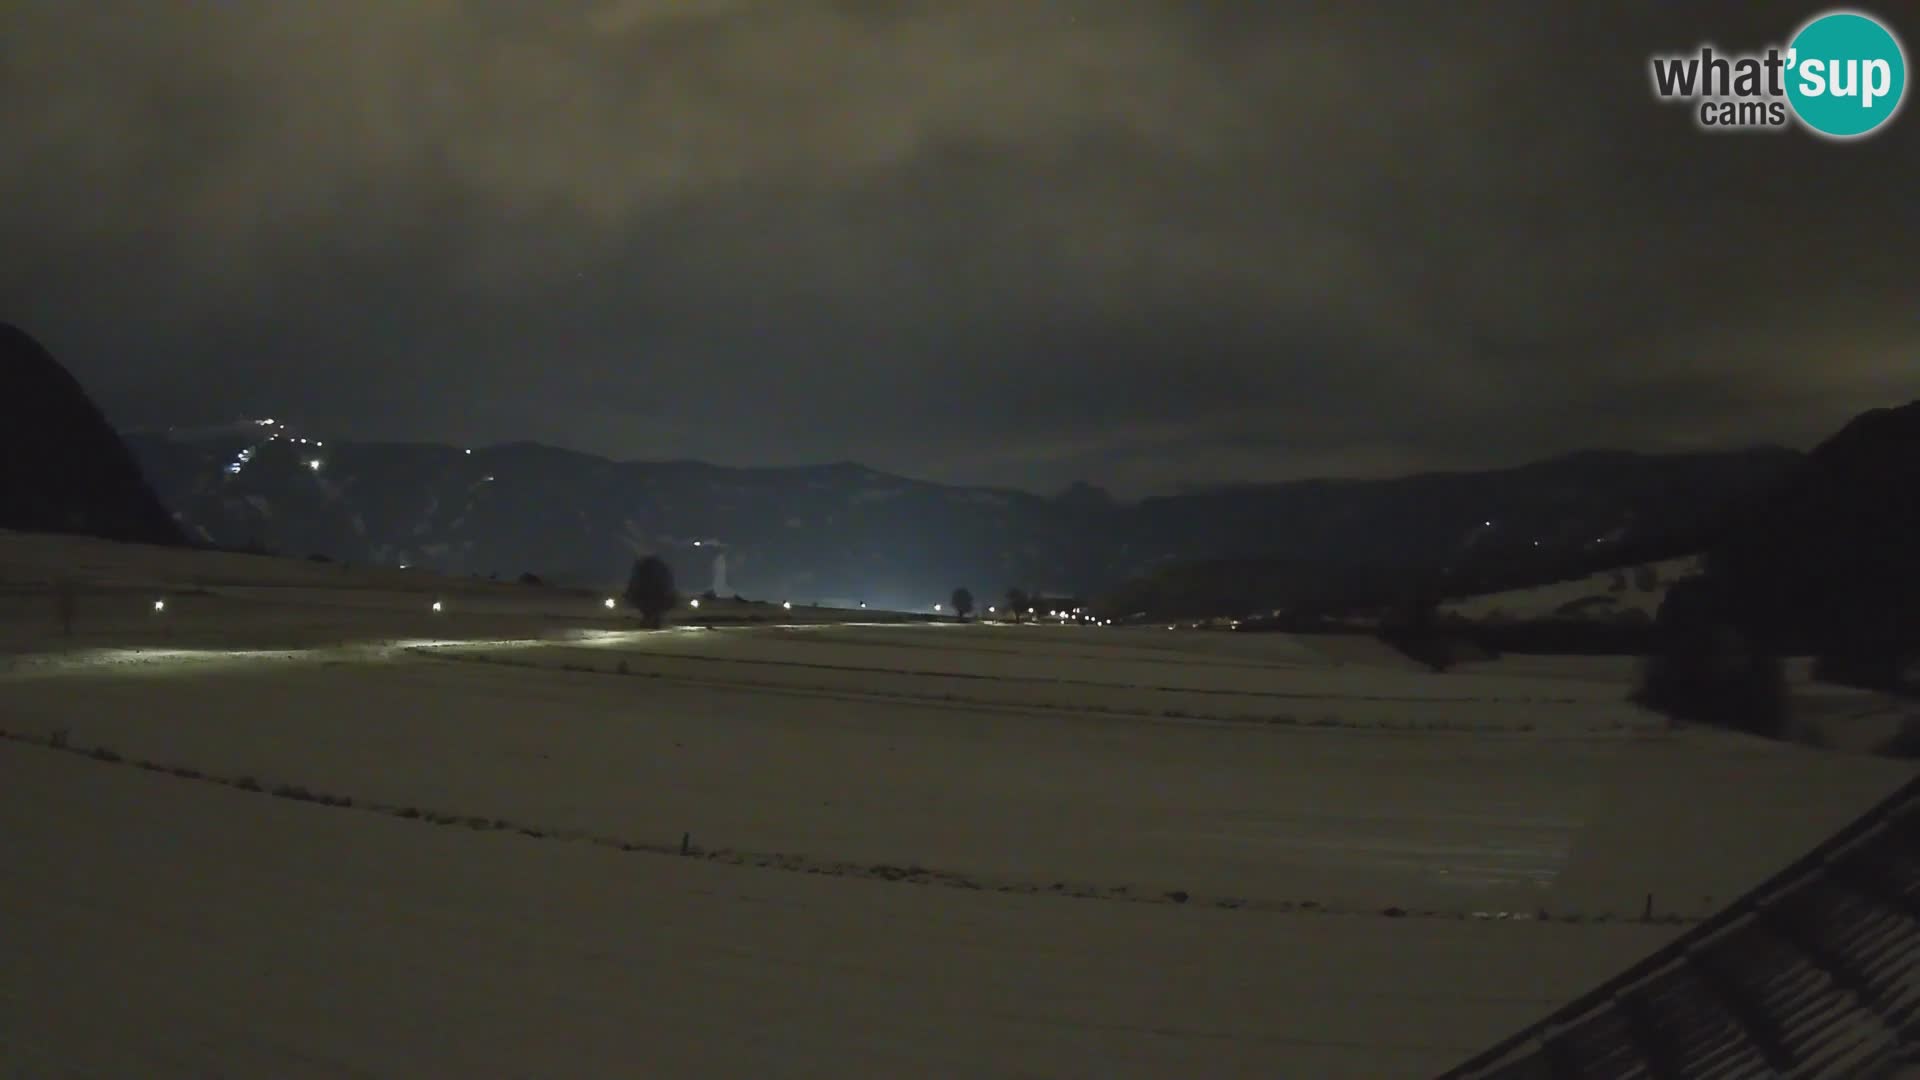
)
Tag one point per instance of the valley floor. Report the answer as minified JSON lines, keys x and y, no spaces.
{"x":317,"y":832}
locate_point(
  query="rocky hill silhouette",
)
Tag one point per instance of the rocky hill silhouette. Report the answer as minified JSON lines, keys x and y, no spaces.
{"x":1830,"y":562}
{"x":63,"y":468}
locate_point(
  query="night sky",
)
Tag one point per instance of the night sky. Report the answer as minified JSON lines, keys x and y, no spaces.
{"x":1143,"y":243}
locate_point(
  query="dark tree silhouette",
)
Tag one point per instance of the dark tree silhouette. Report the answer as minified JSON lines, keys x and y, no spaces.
{"x":963,"y":602}
{"x":1414,"y":627}
{"x":1018,"y":602}
{"x":1705,"y":669}
{"x":650,"y":590}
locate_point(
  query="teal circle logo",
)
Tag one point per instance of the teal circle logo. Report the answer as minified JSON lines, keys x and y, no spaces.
{"x":1846,"y":75}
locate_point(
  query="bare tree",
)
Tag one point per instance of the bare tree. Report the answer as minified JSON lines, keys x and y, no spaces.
{"x":1017,"y":603}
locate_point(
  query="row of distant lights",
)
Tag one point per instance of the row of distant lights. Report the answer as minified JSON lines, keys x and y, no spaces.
{"x":611,"y":603}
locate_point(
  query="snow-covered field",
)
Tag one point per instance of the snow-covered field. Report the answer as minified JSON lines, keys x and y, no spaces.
{"x":296,"y":824}
{"x":1630,"y":591}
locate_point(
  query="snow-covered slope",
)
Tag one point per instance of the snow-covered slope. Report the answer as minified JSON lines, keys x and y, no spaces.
{"x":1632,"y":592}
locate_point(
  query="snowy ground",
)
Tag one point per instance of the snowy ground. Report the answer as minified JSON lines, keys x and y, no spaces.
{"x":909,"y":849}
{"x":1608,"y":595}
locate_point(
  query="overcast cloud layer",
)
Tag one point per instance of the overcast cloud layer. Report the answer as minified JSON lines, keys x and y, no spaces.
{"x":1143,"y":243}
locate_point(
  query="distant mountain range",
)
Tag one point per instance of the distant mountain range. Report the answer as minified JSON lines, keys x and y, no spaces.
{"x":846,"y":533}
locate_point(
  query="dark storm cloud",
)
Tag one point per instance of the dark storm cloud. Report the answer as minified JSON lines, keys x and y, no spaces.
{"x":1012,"y":242}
